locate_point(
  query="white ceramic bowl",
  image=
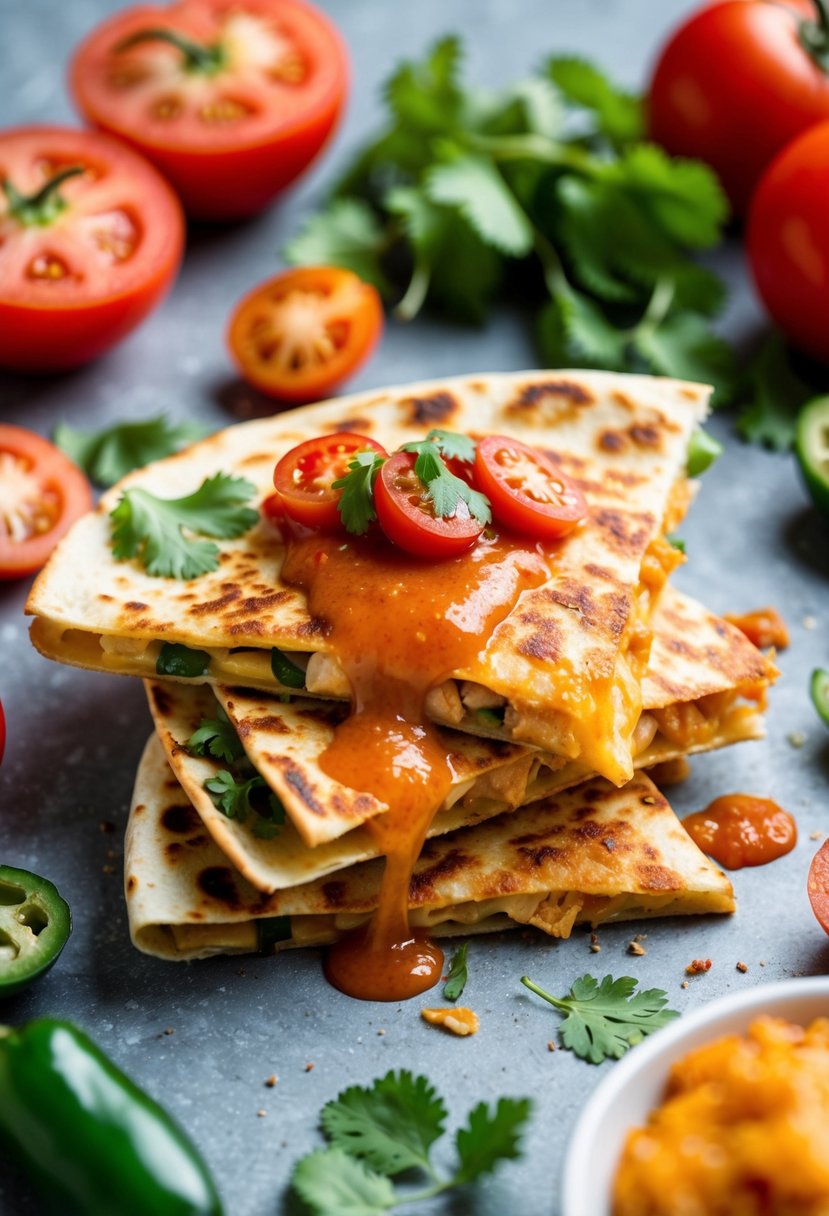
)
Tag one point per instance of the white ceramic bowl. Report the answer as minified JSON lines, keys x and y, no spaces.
{"x":636,"y":1084}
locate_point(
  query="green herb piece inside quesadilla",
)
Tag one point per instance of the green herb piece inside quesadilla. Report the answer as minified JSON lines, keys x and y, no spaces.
{"x":177,"y":660}
{"x":216,"y":737}
{"x":286,"y":672}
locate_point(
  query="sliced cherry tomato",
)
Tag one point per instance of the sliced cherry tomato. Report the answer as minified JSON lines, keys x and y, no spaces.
{"x":298,"y":336}
{"x":304,"y":478}
{"x":788,"y":240}
{"x":736,"y":82}
{"x":91,"y":238}
{"x":231,"y":99}
{"x":818,"y":885}
{"x":42,"y":493}
{"x":408,"y":519}
{"x":526,"y":490}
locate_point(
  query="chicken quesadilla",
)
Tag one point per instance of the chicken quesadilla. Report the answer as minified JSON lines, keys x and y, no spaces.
{"x":704,"y":689}
{"x":588,"y":856}
{"x":565,"y":664}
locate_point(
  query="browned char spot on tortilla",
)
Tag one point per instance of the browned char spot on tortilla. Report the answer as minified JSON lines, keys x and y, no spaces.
{"x":268,"y":723}
{"x":297,"y":779}
{"x":132,"y":883}
{"x":547,"y":401}
{"x":422,"y":884}
{"x":658,"y":878}
{"x":626,"y":533}
{"x":544,"y":637}
{"x":162,"y":699}
{"x":538,"y":856}
{"x":353,"y":422}
{"x":231,"y":593}
{"x":612,"y":441}
{"x":314,"y":627}
{"x":335,"y":894}
{"x":217,"y":882}
{"x":646,"y":436}
{"x":135,"y":606}
{"x":435,"y":408}
{"x":180,"y":819}
{"x":173,"y":851}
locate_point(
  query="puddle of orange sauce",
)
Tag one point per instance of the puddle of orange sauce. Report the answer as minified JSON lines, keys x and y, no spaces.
{"x":399,"y":626}
{"x":739,"y":830}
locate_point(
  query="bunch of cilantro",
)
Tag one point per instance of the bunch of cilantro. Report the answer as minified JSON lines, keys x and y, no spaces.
{"x":378,"y":1133}
{"x":546,"y":187}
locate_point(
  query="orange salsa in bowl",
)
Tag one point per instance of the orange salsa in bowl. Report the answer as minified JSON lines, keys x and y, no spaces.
{"x":743,"y":1130}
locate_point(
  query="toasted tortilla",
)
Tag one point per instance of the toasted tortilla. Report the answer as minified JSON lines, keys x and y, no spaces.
{"x":591,"y":855}
{"x":567,"y":661}
{"x":705,"y":685}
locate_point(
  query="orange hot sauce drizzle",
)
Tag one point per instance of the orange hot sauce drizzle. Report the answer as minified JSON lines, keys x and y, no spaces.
{"x":738,"y":830}
{"x":399,"y":626}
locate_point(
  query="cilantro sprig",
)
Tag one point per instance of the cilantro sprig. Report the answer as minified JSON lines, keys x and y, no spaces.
{"x":238,"y":791}
{"x":109,"y":454}
{"x":461,"y":185}
{"x":441,"y":486}
{"x":458,"y":974}
{"x":604,"y":1020}
{"x":161,"y":532}
{"x":378,"y":1132}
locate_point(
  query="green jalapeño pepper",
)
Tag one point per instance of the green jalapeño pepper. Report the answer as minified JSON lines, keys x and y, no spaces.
{"x":92,"y":1141}
{"x":34,"y":927}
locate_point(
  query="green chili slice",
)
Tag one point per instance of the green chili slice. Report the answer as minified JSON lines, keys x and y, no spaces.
{"x":285,"y":671}
{"x":35,"y":924}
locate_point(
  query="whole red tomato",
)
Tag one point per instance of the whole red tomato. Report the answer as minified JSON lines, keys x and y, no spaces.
{"x":91,"y":238}
{"x":788,"y":240}
{"x":231,"y":99}
{"x":737,"y":82}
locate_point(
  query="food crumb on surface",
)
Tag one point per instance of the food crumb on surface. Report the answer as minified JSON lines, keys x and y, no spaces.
{"x":271,"y":1080}
{"x":816,"y":835}
{"x":309,"y":1067}
{"x":551,"y":1045}
{"x":762,"y":962}
{"x":742,"y":967}
{"x":796,"y":738}
{"x":595,"y":948}
{"x":381,"y":1031}
{"x":169,"y":1030}
{"x":261,"y":1113}
{"x":809,"y":622}
{"x":684,"y":984}
{"x":698,"y":966}
{"x":635,"y":947}
{"x":461,"y":1022}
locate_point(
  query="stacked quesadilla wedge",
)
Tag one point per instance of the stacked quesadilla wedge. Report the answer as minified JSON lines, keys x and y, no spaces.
{"x":240,"y":837}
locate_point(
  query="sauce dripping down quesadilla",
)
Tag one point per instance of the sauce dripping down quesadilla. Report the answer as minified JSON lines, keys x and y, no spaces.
{"x":398,"y":626}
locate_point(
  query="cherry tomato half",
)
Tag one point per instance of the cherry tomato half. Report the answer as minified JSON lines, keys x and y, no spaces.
{"x":84,"y":259}
{"x":735,"y":84}
{"x":231,"y":99}
{"x":42,"y":493}
{"x":408,"y":519}
{"x":788,"y":240}
{"x":303,"y":477}
{"x":526,"y":490}
{"x":298,"y":336}
{"x":818,"y":885}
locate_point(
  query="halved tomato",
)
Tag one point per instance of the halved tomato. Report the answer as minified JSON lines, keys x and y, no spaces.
{"x":298,"y":336}
{"x":304,"y":478}
{"x":231,"y":99}
{"x":42,"y":493}
{"x":818,"y":885}
{"x":527,"y":492}
{"x":407,"y":516}
{"x":91,"y":238}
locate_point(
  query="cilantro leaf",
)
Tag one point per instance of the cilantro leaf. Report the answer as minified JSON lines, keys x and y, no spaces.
{"x":108,"y":455}
{"x":777,"y":392}
{"x":473,"y":185}
{"x":234,"y":797}
{"x":334,"y":1184}
{"x":426,"y":96}
{"x":685,"y":347}
{"x":152,"y":529}
{"x":443,"y":489}
{"x":490,"y":1137}
{"x":458,"y":974}
{"x":392,"y":1125}
{"x":618,"y":114}
{"x":604,"y":1020}
{"x":453,"y":445}
{"x":356,"y":505}
{"x":347,"y":234}
{"x":216,"y":737}
{"x":574,"y":332}
{"x":682,"y":197}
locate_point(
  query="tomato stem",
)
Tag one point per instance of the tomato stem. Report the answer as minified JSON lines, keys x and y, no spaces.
{"x":42,"y":207}
{"x":814,"y":35}
{"x":197,"y":58}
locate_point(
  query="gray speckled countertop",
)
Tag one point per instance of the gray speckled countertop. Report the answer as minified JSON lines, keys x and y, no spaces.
{"x":203,"y":1037}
